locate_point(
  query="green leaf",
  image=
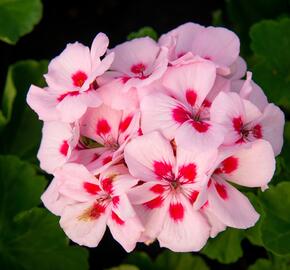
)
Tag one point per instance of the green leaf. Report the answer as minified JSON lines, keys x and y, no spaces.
{"x":124,"y":267}
{"x":179,"y":261}
{"x":146,"y":31}
{"x":275,"y":226}
{"x":244,"y":13}
{"x":17,"y":18}
{"x":276,"y":263}
{"x":270,"y":43}
{"x":262,"y":264}
{"x":21,"y":136}
{"x":254,"y":234}
{"x":20,"y":188}
{"x":36,"y":241}
{"x":226,"y":247}
{"x":141,"y":260}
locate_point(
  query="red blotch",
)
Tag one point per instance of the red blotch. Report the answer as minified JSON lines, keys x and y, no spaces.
{"x":206,"y":103}
{"x":116,"y":200}
{"x":91,"y":188}
{"x":125,"y":123}
{"x":138,"y":68}
{"x":188,"y":172}
{"x":257,"y":131}
{"x":176,"y":211}
{"x":125,"y":79}
{"x":140,"y":132}
{"x":107,"y":160}
{"x":209,"y":183}
{"x":180,"y":115}
{"x":221,"y":190}
{"x":117,"y":219}
{"x":238,"y":124}
{"x":103,"y":127}
{"x":72,"y":93}
{"x":97,"y":210}
{"x":162,"y":169}
{"x":191,"y":97}
{"x":107,"y":185}
{"x":79,"y":78}
{"x":64,"y":148}
{"x":205,"y":205}
{"x":155,"y":203}
{"x":95,"y":157}
{"x":180,"y":54}
{"x":200,"y":126}
{"x":157,"y":189}
{"x":229,"y":165}
{"x":193,"y":196}
{"x":207,"y":57}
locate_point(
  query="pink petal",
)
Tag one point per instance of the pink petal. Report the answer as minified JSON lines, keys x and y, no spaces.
{"x":56,"y":145}
{"x":143,"y":152}
{"x":217,"y":44}
{"x":83,"y":226}
{"x":255,"y":165}
{"x":178,"y":232}
{"x":194,"y":79}
{"x":43,"y":103}
{"x":231,"y":206}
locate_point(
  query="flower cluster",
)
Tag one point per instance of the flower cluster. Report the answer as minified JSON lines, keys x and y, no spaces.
{"x":147,"y":138}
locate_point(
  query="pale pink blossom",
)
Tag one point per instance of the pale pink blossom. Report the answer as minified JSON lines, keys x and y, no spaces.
{"x":183,"y":114}
{"x":137,"y":63}
{"x":98,"y":201}
{"x":168,"y":200}
{"x":216,"y":44}
{"x":250,"y":166}
{"x":244,"y":122}
{"x":71,"y":80}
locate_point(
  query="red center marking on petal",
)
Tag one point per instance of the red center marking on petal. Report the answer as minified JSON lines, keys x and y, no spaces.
{"x":193,"y":196}
{"x":97,"y":210}
{"x":91,"y":188}
{"x":209,"y":183}
{"x":229,"y":165}
{"x":221,"y":190}
{"x":157,"y":189}
{"x":125,"y":123}
{"x":191,"y":97}
{"x":180,"y":54}
{"x":257,"y":131}
{"x":125,"y":79}
{"x":64,"y":148}
{"x":107,"y":160}
{"x":117,"y":219}
{"x":176,"y":211}
{"x":238,"y":124}
{"x":207,"y":57}
{"x":116,"y":200}
{"x":72,"y":93}
{"x":138,"y":68}
{"x":162,"y":169}
{"x":188,"y":172}
{"x":95,"y":157}
{"x":200,"y":126}
{"x":155,"y":203}
{"x":140,"y":132}
{"x":79,"y":78}
{"x":107,"y":185}
{"x":103,"y":127}
{"x":206,"y":103}
{"x":180,"y":115}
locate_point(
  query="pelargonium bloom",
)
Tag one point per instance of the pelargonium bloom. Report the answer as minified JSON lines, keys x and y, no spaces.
{"x":95,"y":202}
{"x":71,"y":80}
{"x":183,"y":114}
{"x":173,"y":179}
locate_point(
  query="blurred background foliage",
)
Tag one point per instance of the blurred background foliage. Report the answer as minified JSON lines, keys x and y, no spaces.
{"x":30,"y":237}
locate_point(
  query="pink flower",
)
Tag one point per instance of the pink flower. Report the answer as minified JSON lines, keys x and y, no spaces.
{"x":104,"y":132}
{"x":168,"y":199}
{"x":216,"y":44}
{"x":97,"y":201}
{"x":184,"y":115}
{"x":71,"y":82}
{"x":244,"y":122}
{"x":250,"y":166}
{"x":137,"y":63}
